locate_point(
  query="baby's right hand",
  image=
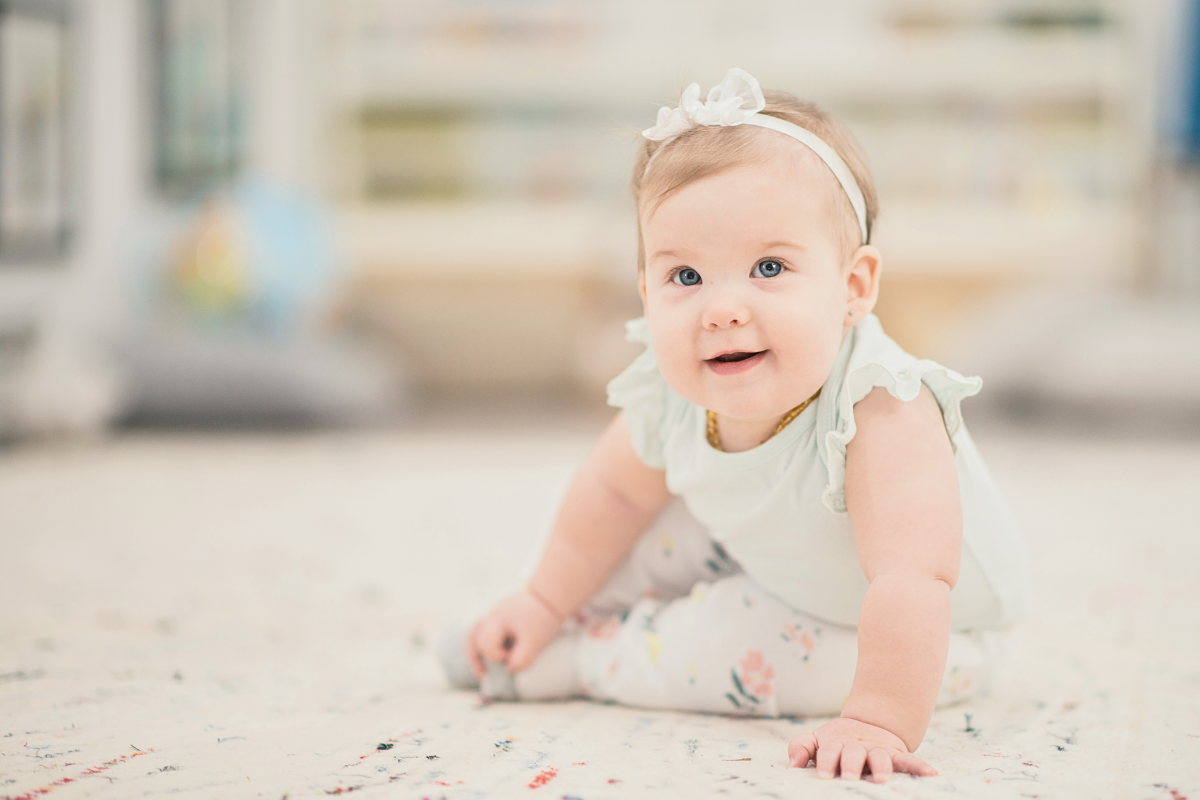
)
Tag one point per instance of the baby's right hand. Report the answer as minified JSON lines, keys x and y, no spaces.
{"x":513,"y":633}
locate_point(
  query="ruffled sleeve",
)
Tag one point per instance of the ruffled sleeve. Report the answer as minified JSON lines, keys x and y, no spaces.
{"x":876,"y":360}
{"x":643,"y":393}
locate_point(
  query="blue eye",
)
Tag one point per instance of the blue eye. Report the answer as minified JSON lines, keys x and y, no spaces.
{"x":767,"y":268}
{"x":686,"y":277}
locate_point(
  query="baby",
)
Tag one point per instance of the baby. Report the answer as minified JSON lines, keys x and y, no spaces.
{"x":788,"y":516}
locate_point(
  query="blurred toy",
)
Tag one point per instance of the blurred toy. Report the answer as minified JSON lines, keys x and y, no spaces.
{"x":229,"y":320}
{"x":209,"y":276}
{"x":257,"y":258}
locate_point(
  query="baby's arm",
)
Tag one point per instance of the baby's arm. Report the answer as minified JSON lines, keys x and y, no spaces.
{"x":903,"y":498}
{"x":612,"y":499}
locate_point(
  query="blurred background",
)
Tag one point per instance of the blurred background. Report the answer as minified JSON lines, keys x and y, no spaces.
{"x":254,"y":213}
{"x":307,"y":308}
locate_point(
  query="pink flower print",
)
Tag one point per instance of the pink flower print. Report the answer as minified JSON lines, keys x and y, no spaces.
{"x":753,"y":683}
{"x":792,"y":633}
{"x":757,"y":677}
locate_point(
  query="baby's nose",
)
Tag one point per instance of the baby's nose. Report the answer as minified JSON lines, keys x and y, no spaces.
{"x":725,"y":310}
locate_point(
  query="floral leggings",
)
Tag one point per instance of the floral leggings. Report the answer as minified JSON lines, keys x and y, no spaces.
{"x":679,"y":626}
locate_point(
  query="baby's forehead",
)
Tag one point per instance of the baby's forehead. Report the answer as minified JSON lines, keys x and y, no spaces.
{"x":804,"y":170}
{"x":777,"y":191}
{"x":777,"y":164}
{"x":781,"y":152}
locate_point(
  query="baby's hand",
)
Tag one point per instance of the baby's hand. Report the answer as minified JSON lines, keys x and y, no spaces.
{"x":853,"y":744}
{"x":513,"y":633}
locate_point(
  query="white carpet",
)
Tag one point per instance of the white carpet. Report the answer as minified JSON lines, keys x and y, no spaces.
{"x":250,"y":617}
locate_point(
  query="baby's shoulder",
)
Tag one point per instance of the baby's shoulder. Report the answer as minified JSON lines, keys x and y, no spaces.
{"x":870,"y":361}
{"x":875,"y":360}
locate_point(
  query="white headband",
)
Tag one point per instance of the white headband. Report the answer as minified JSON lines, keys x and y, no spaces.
{"x":737,"y":101}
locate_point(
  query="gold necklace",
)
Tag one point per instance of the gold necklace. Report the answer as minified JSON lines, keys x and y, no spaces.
{"x":714,"y":434}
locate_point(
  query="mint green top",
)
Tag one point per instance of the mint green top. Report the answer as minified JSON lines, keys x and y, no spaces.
{"x":779,"y":509}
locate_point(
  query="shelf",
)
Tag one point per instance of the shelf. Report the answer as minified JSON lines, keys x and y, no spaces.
{"x":1010,"y":133}
{"x":1010,"y":140}
{"x":991,"y":66}
{"x":1093,"y":243}
{"x":581,"y":241}
{"x":568,"y":240}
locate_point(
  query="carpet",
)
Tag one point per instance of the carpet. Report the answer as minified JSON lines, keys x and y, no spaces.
{"x":251,"y":616}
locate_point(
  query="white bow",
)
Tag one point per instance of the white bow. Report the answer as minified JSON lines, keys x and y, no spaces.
{"x":731,"y":102}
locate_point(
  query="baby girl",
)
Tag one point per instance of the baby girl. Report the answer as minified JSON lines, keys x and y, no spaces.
{"x":788,"y":516}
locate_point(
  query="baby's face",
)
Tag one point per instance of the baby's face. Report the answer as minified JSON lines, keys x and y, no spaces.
{"x":746,"y":289}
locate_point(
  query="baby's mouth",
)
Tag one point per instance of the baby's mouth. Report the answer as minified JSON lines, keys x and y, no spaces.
{"x":740,"y":355}
{"x":735,"y":362}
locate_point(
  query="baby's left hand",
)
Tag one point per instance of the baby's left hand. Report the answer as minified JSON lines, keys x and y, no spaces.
{"x":852,"y":745}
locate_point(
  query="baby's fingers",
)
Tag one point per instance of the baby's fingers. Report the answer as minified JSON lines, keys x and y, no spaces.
{"x":854,"y":756}
{"x":525,"y":650}
{"x":491,"y":638}
{"x":802,"y":750}
{"x":907,"y":762}
{"x":880,"y":763}
{"x":827,"y":760}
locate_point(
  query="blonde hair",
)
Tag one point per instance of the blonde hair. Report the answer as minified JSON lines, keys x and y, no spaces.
{"x":705,"y":150}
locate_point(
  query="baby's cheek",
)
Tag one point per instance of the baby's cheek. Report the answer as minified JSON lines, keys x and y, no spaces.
{"x":809,"y":360}
{"x":675,"y":355}
{"x":681,"y":372}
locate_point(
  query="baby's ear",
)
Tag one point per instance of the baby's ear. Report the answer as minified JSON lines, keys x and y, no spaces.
{"x":642,"y":288}
{"x":862,"y":281}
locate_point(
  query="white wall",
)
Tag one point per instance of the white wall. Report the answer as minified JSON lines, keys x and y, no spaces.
{"x":68,"y":383}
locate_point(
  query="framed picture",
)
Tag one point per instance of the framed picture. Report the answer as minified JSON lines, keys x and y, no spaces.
{"x":198,"y":56}
{"x":34,"y":64}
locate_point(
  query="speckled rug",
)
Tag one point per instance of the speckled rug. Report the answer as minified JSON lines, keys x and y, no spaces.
{"x":250,"y":617}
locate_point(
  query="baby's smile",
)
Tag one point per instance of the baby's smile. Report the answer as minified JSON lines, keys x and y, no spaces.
{"x":735,"y":362}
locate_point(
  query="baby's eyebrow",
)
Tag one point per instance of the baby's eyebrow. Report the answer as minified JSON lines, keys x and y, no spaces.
{"x":782,"y":243}
{"x":659,"y":253}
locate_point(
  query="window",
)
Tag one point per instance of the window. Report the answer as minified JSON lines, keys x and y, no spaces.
{"x":34,"y":218}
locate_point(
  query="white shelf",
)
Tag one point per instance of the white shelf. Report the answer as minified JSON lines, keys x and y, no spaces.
{"x":991,"y":66}
{"x":1089,"y":243}
{"x":591,"y":241}
{"x":1034,"y":179}
{"x":512,"y":240}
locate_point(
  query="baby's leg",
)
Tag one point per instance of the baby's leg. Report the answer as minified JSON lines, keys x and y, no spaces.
{"x":673,"y":554}
{"x":678,"y":626}
{"x":729,"y":647}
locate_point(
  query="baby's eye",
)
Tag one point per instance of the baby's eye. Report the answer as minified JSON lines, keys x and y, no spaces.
{"x":686,"y":277}
{"x":767,"y":268}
